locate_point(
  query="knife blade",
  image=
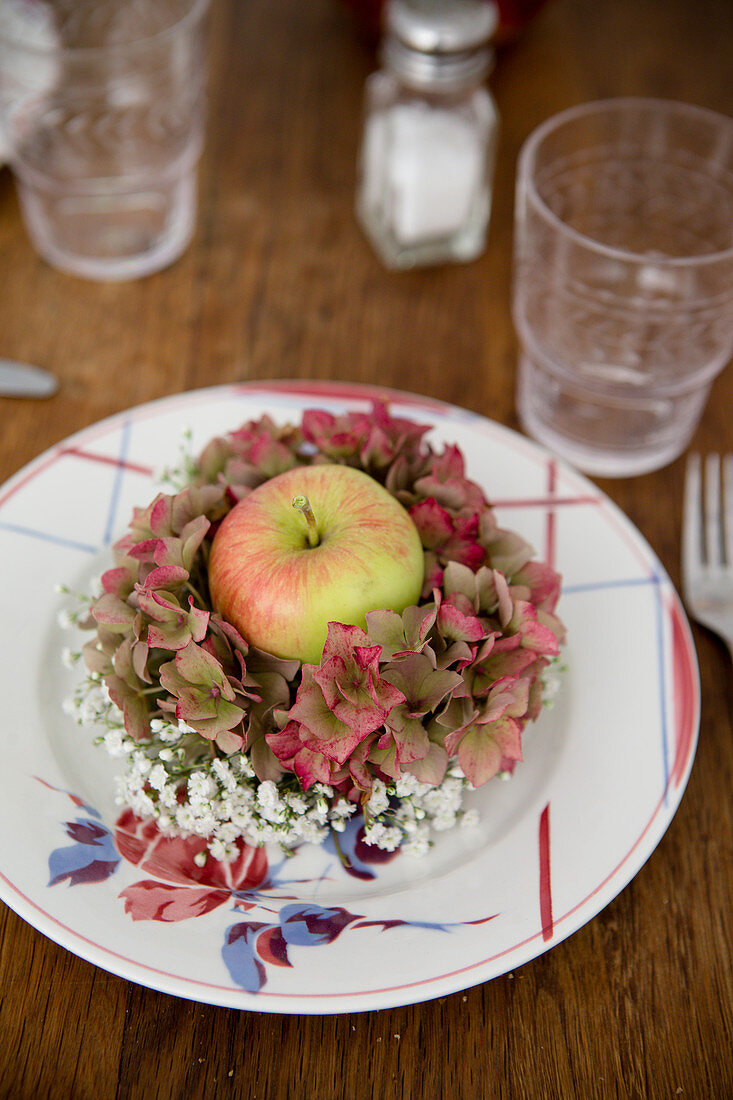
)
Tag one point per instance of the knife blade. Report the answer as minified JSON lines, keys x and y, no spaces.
{"x":23,"y":380}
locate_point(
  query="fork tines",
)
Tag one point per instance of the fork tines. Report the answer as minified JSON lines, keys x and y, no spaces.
{"x":708,"y":513}
{"x":707,"y":543}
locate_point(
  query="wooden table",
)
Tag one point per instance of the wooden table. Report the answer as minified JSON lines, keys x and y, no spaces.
{"x":279,"y":283}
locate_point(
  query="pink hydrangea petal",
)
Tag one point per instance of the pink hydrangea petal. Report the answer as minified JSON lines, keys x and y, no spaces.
{"x":367,"y":656}
{"x":311,"y":710}
{"x":341,"y":641}
{"x":362,"y":715}
{"x":433,"y":523}
{"x":411,"y":742}
{"x":112,"y":611}
{"x":543,"y":583}
{"x":482,"y":748}
{"x":506,"y":606}
{"x":458,"y":626}
{"x":144,"y":550}
{"x":338,"y":748}
{"x":119,"y":581}
{"x":160,"y":516}
{"x":285,"y":743}
{"x":432,"y":768}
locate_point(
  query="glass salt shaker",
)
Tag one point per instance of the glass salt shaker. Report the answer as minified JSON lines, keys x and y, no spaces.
{"x":428,"y":148}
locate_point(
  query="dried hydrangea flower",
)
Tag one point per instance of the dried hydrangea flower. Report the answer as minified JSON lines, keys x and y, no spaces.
{"x":399,"y":718}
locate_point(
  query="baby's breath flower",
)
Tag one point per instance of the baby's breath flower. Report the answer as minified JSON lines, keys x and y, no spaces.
{"x":310,"y":831}
{"x":267,"y":793}
{"x":245,"y":767}
{"x":222,"y":851}
{"x":407,"y":785}
{"x":69,"y":657}
{"x":296,"y":802}
{"x":167,"y":733}
{"x":168,"y":797}
{"x":418,"y":844}
{"x":116,"y":743}
{"x":223,"y":773}
{"x":64,"y":619}
{"x":342,"y":809}
{"x":378,"y":799}
{"x":383,"y":836}
{"x":185,"y":817}
{"x":227,"y":833}
{"x":181,"y":474}
{"x":140,"y":803}
{"x":158,"y":777}
{"x":551,"y":678}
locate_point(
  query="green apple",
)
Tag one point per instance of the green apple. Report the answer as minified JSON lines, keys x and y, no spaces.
{"x":314,"y":545}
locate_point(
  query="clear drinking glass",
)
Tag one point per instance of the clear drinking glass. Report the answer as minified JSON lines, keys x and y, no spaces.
{"x":101,"y":106}
{"x":623,"y":279}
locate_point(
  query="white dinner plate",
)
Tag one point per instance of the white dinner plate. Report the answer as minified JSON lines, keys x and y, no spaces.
{"x":603,"y":771}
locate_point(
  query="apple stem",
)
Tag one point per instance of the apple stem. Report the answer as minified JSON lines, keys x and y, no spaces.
{"x":303,"y":505}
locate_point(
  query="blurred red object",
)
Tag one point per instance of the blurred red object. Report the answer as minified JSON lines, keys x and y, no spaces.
{"x":513,"y":16}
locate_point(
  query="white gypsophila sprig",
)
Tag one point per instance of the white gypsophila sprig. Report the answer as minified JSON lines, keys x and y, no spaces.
{"x":551,"y":679}
{"x":173,"y":778}
{"x":182,"y":473}
{"x":70,"y":658}
{"x":70,"y":617}
{"x":410,"y":811}
{"x":90,"y":705}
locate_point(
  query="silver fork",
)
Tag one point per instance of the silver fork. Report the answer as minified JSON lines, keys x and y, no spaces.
{"x":707,"y":543}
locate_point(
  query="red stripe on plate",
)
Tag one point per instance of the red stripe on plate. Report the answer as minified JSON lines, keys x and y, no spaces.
{"x":541,"y":502}
{"x":344,"y":391}
{"x":110,"y":460}
{"x":545,"y":875}
{"x":685,"y":693}
{"x":550,"y":528}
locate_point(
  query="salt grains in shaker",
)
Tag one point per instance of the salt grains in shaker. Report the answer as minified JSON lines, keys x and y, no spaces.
{"x":427,"y":154}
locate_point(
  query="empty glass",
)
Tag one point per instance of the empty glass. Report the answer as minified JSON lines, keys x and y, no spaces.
{"x":101,"y":112}
{"x":623,"y":279}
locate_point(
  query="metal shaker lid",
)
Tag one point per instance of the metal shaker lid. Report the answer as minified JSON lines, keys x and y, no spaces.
{"x":442,"y":26}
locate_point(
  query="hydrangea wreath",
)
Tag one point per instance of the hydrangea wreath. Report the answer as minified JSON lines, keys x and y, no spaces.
{"x":230,"y":743}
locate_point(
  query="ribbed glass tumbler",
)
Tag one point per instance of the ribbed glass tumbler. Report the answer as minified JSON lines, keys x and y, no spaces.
{"x":101,"y":118}
{"x":623,"y":279}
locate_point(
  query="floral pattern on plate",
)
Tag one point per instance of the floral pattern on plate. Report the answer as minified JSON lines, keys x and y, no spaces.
{"x":181,"y":887}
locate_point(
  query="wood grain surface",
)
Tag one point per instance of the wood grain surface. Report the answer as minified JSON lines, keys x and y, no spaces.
{"x":279,"y":283}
